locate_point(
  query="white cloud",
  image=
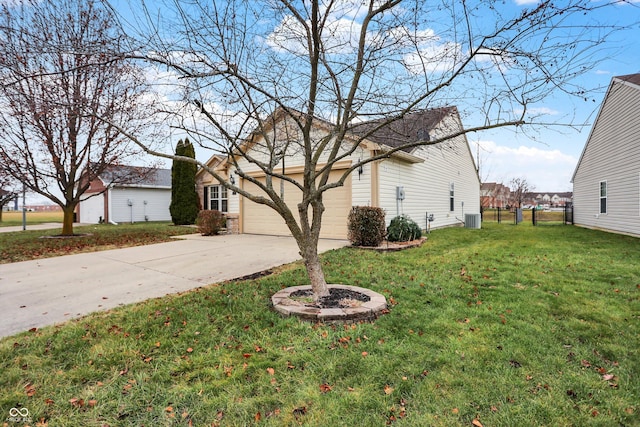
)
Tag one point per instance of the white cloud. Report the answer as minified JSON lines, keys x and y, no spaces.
{"x":537,"y":111}
{"x":546,"y":169}
{"x":526,"y":2}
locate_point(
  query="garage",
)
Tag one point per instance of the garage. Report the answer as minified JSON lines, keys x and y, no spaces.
{"x":260,"y":219}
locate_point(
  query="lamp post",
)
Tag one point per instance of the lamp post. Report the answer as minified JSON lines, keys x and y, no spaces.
{"x":24,"y":207}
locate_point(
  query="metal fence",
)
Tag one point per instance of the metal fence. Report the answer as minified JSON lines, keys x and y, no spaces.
{"x":554,"y":216}
{"x":536,"y":216}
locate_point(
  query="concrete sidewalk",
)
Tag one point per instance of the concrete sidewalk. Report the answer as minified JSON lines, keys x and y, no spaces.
{"x":44,"y":226}
{"x":48,"y":291}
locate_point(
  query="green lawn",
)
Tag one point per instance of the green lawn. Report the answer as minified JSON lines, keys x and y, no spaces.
{"x":14,"y":218}
{"x":504,"y":326}
{"x":30,"y":244}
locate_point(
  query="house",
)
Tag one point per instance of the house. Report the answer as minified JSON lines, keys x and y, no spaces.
{"x":127,"y":194}
{"x":551,"y":200}
{"x":494,"y":195}
{"x":606,"y":181}
{"x":439,"y":180}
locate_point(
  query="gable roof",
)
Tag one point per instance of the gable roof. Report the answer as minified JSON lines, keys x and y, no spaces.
{"x":136,"y":176}
{"x":630,"y":80}
{"x":410,"y":128}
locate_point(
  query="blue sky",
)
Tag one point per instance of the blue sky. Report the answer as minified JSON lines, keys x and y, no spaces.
{"x":548,"y":158}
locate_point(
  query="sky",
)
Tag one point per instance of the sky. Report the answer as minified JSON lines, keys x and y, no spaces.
{"x":548,"y":159}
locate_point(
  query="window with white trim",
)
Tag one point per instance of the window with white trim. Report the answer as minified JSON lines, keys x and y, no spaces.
{"x":452,"y":203}
{"x":603,"y":197}
{"x":217,"y":198}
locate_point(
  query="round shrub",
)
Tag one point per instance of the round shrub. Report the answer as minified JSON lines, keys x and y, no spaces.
{"x":366,"y":226}
{"x":210,"y":222}
{"x":403,"y":229}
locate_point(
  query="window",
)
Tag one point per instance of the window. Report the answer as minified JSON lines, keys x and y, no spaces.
{"x":603,"y":197}
{"x":452,"y":205}
{"x":217,"y":199}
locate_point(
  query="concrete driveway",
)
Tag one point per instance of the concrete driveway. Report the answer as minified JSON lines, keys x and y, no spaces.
{"x":52,"y":290}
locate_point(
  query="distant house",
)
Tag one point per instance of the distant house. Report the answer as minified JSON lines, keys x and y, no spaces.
{"x":551,"y":200}
{"x":439,"y":180}
{"x":494,"y":195}
{"x":127,"y":194}
{"x":606,"y":182}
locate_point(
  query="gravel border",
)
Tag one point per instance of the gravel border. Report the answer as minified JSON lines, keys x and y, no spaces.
{"x":367,"y":311}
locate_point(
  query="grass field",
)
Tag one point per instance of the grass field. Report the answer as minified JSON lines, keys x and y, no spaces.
{"x":15,"y":218}
{"x":504,"y":326}
{"x":29,"y":244}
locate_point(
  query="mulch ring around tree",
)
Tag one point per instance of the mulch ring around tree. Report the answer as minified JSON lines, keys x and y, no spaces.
{"x":387,"y":246}
{"x":343,"y":304}
{"x":67,"y":236}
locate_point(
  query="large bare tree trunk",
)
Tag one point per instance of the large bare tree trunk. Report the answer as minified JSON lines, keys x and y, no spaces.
{"x":314,"y":269}
{"x":67,"y":220}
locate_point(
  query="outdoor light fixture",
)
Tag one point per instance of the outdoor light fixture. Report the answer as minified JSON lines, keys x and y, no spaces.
{"x":232,"y":180}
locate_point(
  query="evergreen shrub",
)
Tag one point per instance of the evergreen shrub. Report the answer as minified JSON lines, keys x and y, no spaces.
{"x":366,"y":226}
{"x":210,"y":222}
{"x":403,"y":229}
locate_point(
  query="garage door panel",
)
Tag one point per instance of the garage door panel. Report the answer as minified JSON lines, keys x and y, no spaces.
{"x":260,"y":219}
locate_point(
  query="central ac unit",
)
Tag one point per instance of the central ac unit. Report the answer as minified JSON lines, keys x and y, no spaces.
{"x":472,"y":221}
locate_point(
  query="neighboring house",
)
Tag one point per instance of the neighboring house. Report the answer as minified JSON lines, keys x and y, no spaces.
{"x":494,"y":195}
{"x":127,"y":194}
{"x":552,"y":200}
{"x":606,"y":182}
{"x":439,"y":179}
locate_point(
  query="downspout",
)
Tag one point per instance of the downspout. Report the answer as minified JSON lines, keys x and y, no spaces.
{"x":109,"y":207}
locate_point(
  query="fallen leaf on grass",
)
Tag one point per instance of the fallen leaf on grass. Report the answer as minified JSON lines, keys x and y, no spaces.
{"x":608,"y":377}
{"x":30,"y":390}
{"x":476,"y":422}
{"x":388,"y":389}
{"x":76,"y":403}
{"x":324,"y":388}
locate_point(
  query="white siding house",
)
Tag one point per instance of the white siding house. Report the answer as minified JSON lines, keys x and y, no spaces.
{"x":127,"y":194}
{"x":439,"y":179}
{"x":606,"y":182}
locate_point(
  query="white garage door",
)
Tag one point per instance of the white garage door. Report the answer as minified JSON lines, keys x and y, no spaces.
{"x":92,"y":210}
{"x":260,"y":219}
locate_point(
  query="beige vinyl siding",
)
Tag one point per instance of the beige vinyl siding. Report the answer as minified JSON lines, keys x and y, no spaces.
{"x":427,"y":184}
{"x":612,"y":154}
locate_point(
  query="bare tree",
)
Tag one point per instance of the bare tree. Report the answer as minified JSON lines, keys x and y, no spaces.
{"x":520,"y":188}
{"x":256,"y":76}
{"x":60,"y":67}
{"x":8,"y":192}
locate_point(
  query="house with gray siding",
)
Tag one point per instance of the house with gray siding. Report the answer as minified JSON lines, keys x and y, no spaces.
{"x":127,"y":194}
{"x":606,"y":182}
{"x":439,"y":180}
